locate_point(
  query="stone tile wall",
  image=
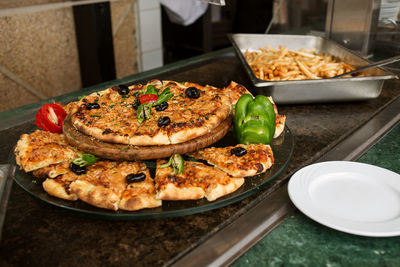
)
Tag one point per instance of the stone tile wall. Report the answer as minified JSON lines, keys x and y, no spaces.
{"x":38,"y":50}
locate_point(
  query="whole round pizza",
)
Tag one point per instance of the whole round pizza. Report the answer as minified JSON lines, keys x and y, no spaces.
{"x":158,"y":113}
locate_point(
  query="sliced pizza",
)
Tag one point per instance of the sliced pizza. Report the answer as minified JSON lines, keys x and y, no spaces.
{"x":240,"y":160}
{"x":42,"y":148}
{"x":105,"y":185}
{"x":196,"y":181}
{"x":60,"y":186}
{"x":234,"y":91}
{"x":140,"y":192}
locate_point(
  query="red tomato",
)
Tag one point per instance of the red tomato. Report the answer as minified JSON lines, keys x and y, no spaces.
{"x":148,"y":98}
{"x":50,"y":118}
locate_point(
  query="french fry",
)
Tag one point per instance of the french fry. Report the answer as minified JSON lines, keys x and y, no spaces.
{"x":284,"y":64}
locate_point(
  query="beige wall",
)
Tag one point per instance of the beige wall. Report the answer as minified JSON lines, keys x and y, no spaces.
{"x":124,"y":33}
{"x":38,"y":51}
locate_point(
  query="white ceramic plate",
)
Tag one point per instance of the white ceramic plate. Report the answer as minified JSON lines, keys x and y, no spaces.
{"x":352,"y":197}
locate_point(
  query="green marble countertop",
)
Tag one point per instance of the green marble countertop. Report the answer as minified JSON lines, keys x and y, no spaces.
{"x":300,"y":241}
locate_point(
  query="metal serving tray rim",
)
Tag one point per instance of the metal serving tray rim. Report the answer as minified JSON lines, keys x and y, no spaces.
{"x":263,"y":83}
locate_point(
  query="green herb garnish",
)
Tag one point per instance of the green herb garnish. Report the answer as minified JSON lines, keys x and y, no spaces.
{"x":177,"y":163}
{"x":144,"y":112}
{"x":85,"y":159}
{"x":164,"y":96}
{"x":151,"y":90}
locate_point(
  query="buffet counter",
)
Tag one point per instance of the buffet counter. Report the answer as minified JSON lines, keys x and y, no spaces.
{"x":35,"y":233}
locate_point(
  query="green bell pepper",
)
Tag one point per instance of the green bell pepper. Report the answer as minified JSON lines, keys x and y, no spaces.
{"x":254,"y":120}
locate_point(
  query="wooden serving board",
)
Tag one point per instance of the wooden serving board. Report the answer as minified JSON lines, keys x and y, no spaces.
{"x":107,"y":150}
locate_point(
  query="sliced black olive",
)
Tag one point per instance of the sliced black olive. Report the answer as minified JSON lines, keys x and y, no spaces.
{"x":123,"y":89}
{"x":92,"y":106}
{"x":238,"y":151}
{"x":192,"y":92}
{"x":164,"y":121}
{"x":260,"y":167}
{"x":77,"y":169}
{"x":162,"y":106}
{"x":136,"y":104}
{"x":135,"y":177}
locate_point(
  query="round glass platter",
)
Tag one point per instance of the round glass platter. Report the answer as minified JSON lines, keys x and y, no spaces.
{"x":282,"y":148}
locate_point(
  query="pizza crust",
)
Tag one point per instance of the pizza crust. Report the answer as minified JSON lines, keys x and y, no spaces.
{"x":215,"y":191}
{"x":98,"y":196}
{"x":172,"y":192}
{"x":54,"y":187}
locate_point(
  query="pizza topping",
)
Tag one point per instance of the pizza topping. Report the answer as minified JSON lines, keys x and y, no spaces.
{"x":164,"y":121}
{"x":136,"y":104}
{"x":135,"y":177}
{"x":123,"y":89}
{"x":260,"y":167}
{"x":92,"y":106}
{"x":254,"y":120}
{"x":192,"y":92}
{"x":177,"y":162}
{"x":85,"y":159}
{"x":162,"y":106}
{"x":77,"y":169}
{"x":238,"y":151}
{"x":144,"y":112}
{"x":148,"y":98}
{"x":50,"y":118}
{"x":163,"y":97}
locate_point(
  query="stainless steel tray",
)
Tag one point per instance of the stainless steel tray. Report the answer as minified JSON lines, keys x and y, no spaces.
{"x":311,"y":91}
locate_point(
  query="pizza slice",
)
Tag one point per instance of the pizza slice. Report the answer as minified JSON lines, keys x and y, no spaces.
{"x":140,"y":192}
{"x":42,"y":148}
{"x":196,"y":181}
{"x":234,"y":91}
{"x":60,"y":186}
{"x":240,"y":160}
{"x":105,"y":184}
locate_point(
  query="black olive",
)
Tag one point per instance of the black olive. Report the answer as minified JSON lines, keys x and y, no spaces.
{"x":192,"y":92}
{"x":135,"y":177}
{"x":92,"y":106}
{"x":77,"y":169}
{"x":164,"y":121}
{"x":260,"y":167}
{"x":238,"y":151}
{"x":123,"y":89}
{"x":136,"y":104}
{"x":162,"y":106}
